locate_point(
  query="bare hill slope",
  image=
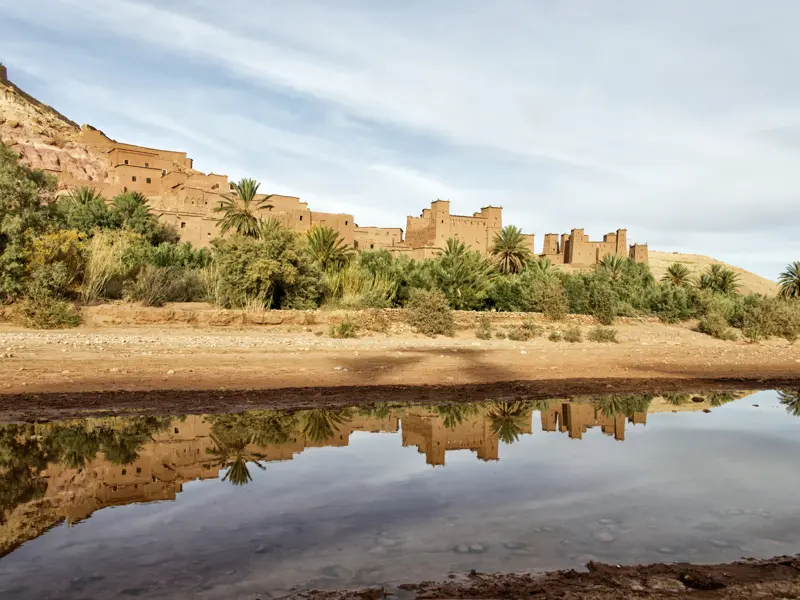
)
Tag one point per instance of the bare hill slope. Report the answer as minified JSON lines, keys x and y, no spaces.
{"x":751,"y":283}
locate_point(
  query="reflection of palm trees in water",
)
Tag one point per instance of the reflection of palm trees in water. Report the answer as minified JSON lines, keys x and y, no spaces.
{"x":75,"y":446}
{"x":318,"y":424}
{"x":677,"y":399}
{"x":508,"y":419}
{"x":627,"y":405}
{"x":791,"y":400}
{"x":453,"y":415}
{"x":231,"y":452}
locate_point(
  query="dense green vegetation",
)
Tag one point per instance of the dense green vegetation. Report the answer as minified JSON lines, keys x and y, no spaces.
{"x":56,"y":252}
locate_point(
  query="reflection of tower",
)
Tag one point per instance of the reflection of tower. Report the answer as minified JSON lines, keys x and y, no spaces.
{"x":426,"y":430}
{"x":576,"y":419}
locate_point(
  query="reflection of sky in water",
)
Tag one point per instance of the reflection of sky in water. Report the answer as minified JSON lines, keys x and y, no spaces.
{"x":687,"y":486}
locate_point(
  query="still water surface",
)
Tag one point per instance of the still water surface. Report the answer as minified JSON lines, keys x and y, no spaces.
{"x":251,"y":505}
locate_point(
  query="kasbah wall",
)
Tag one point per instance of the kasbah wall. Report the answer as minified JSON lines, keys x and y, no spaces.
{"x":186,"y":198}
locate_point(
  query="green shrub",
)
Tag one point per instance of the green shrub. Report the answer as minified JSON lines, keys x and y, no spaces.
{"x":554,"y":301}
{"x":484,"y":329}
{"x":155,"y":286}
{"x":603,"y":334}
{"x":602,"y":301}
{"x":715,"y":324}
{"x":275,"y":272}
{"x":45,"y":312}
{"x":555,"y":336}
{"x":429,"y":312}
{"x":672,"y":303}
{"x":573,"y":334}
{"x":345,"y":329}
{"x":501,"y":335}
{"x":785,"y":318}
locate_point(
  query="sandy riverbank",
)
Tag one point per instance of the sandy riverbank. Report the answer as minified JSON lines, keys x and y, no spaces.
{"x":67,"y":370}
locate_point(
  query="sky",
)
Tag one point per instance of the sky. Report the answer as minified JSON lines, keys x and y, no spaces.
{"x":679,"y":120}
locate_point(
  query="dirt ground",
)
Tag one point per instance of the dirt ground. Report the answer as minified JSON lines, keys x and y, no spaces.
{"x":774,"y":578}
{"x":102,"y":369}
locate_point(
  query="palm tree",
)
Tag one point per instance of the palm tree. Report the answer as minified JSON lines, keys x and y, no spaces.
{"x":508,"y":419}
{"x":791,"y":400}
{"x":269,"y":228}
{"x":677,"y":274}
{"x":463,"y":275}
{"x":510,"y":250}
{"x":318,"y":425}
{"x":85,"y":209}
{"x":790,"y":281}
{"x":76,"y":447}
{"x":239,"y":211}
{"x":543,"y":267}
{"x":327,"y":247}
{"x":613,"y":264}
{"x":719,"y":278}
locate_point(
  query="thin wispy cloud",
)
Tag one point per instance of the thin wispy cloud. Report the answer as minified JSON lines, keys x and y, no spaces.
{"x":678,"y":121}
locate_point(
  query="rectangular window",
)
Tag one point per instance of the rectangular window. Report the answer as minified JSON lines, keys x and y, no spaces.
{"x":133,"y":178}
{"x":345,"y":222}
{"x":147,"y":180}
{"x":301,"y":217}
{"x":183,"y":225}
{"x":163,"y":171}
{"x":126,"y":161}
{"x":146,"y":164}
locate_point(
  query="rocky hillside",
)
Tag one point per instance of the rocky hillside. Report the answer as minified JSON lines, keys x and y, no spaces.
{"x":44,"y":138}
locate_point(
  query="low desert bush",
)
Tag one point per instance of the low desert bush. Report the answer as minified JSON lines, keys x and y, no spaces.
{"x":501,"y":335}
{"x":573,"y":334}
{"x":555,"y":336}
{"x":603,"y":334}
{"x":155,"y":286}
{"x":345,"y":329}
{"x":533,"y":328}
{"x":484,"y":329}
{"x":45,"y":312}
{"x":716,"y":325}
{"x":520,"y":334}
{"x":429,"y":312}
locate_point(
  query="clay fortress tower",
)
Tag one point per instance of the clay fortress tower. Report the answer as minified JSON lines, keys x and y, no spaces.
{"x":185,"y":198}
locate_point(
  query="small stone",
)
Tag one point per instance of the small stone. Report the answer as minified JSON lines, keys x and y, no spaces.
{"x":65,"y":372}
{"x":477,"y":548}
{"x":706,"y":410}
{"x":547,"y":529}
{"x":522,"y":352}
{"x":113,"y":370}
{"x":339,"y":368}
{"x":512,"y":546}
{"x":260,"y":549}
{"x":462,"y":549}
{"x":386,"y":542}
{"x":171,"y":372}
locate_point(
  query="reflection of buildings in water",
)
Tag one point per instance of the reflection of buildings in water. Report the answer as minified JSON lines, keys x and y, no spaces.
{"x":576,"y":419}
{"x":183,"y":452}
{"x":426,"y":430}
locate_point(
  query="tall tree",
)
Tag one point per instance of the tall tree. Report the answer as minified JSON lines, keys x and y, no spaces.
{"x":613,"y":264}
{"x":131,"y":210}
{"x":239,"y":212}
{"x":327,"y":247}
{"x":510,"y":250}
{"x":719,"y":278}
{"x":789,"y":281}
{"x":677,"y":274}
